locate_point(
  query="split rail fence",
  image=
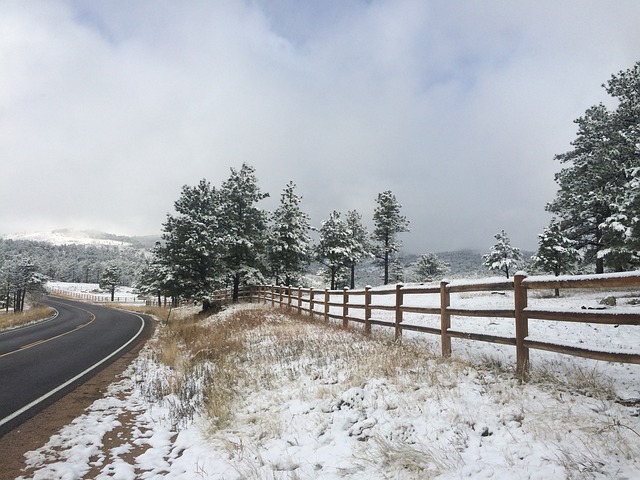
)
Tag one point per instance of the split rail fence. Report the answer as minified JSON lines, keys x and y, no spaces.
{"x":370,"y":302}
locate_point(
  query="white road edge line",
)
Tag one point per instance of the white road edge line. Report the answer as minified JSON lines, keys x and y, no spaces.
{"x":31,"y":325}
{"x":67,"y":383}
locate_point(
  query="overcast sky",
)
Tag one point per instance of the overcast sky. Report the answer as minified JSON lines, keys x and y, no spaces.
{"x":108,"y":108}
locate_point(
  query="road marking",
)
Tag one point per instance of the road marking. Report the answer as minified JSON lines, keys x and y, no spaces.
{"x":80,"y":375}
{"x":45,"y":340}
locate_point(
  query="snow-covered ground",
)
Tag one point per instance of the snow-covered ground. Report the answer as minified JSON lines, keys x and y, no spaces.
{"x":93,"y":293}
{"x":326,"y":403}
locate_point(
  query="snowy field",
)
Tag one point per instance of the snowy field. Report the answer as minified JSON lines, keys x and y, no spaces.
{"x":315,"y":402}
{"x":93,"y":293}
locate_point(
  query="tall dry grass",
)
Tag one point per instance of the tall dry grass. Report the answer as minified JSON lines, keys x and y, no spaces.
{"x":34,"y":314}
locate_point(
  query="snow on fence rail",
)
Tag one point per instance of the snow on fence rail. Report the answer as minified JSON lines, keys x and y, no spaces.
{"x":395,"y":303}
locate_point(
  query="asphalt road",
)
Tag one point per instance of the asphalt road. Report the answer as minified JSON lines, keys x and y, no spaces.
{"x":41,"y":363}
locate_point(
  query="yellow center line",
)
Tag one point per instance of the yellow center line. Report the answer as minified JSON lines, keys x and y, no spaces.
{"x":45,"y":340}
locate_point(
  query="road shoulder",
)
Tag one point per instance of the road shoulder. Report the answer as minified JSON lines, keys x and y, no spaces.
{"x":36,"y":431}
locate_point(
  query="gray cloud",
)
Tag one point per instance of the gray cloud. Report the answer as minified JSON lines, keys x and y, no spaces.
{"x":108,"y":108}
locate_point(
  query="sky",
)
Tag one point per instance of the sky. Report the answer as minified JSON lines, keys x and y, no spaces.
{"x":458,"y":107}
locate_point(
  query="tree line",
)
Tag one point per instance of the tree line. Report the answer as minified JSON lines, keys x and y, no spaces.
{"x":219,"y":237}
{"x":26,"y":265}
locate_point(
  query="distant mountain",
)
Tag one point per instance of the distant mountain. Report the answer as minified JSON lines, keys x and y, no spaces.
{"x":66,"y":236}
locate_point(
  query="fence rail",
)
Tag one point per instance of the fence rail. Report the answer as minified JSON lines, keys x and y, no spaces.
{"x":96,"y":298}
{"x":342,"y":304}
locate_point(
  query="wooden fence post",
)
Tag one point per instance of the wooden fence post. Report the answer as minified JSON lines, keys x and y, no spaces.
{"x":299,"y":300}
{"x":289,"y":298}
{"x":326,"y":305}
{"x":399,"y":302}
{"x":273,"y":295}
{"x":445,"y":319}
{"x":280,"y":290}
{"x":522,"y":326}
{"x":345,"y":307}
{"x":367,"y":310}
{"x":311,"y":306}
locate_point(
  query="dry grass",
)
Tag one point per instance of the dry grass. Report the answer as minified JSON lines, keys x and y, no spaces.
{"x":209,"y":366}
{"x":34,"y":314}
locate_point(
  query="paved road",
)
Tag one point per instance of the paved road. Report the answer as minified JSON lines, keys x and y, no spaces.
{"x":41,"y":363}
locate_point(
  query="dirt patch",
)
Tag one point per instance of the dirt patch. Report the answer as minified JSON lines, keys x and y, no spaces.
{"x":36,"y":431}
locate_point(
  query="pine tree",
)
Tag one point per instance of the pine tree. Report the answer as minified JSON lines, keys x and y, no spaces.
{"x":429,"y":268}
{"x":334,"y":246}
{"x":359,"y":247}
{"x":592,"y":200}
{"x":192,"y":249}
{"x":556,"y":253}
{"x":289,"y":240}
{"x":110,"y":279}
{"x":243,"y":226}
{"x":19,"y":275}
{"x":388,"y":224}
{"x":502,"y":257}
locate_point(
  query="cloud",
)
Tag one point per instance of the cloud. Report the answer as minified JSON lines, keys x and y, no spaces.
{"x":107,"y":109}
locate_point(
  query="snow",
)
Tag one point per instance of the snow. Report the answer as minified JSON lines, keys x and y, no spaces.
{"x":338,"y":415}
{"x":93,"y":293}
{"x":67,"y":237}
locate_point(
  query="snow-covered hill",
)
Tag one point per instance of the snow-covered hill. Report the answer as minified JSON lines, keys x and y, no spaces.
{"x":66,"y":236}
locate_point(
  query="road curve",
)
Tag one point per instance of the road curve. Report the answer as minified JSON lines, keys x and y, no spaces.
{"x":41,"y":363}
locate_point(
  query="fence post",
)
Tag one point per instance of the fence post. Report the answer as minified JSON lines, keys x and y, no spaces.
{"x":288,"y":298}
{"x":326,"y":305}
{"x":367,"y":310}
{"x":522,"y":325}
{"x":299,"y":300}
{"x":445,"y":319}
{"x":345,"y":307}
{"x":399,"y":302}
{"x":311,"y":302}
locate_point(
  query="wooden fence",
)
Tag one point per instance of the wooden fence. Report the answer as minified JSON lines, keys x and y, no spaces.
{"x":369,"y":302}
{"x":96,"y":298}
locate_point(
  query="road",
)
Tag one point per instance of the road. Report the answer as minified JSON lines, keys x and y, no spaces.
{"x":41,"y":363}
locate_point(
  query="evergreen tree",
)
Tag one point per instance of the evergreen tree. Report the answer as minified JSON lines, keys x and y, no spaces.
{"x":191,"y":255}
{"x":18,"y":276}
{"x":156,"y":278}
{"x":593,"y":198}
{"x":396,"y":270}
{"x":359,"y":247}
{"x":556,"y":252}
{"x":110,"y":279}
{"x":334,"y":246}
{"x":289,"y":240}
{"x":388,"y":224}
{"x":243,"y":226}
{"x":429,"y":268}
{"x":502,"y":257}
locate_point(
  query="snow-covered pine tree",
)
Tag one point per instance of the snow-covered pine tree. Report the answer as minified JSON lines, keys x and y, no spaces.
{"x":289,"y":244}
{"x":334,"y":245}
{"x":597,"y":175}
{"x":360,"y":247}
{"x":192,"y":251}
{"x":621,"y":231}
{"x":156,"y":277}
{"x":243,"y":226}
{"x":110,"y":279}
{"x":556,"y":253}
{"x":429,"y":268}
{"x":19,"y":275}
{"x":388,"y":224}
{"x":502,"y":257}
